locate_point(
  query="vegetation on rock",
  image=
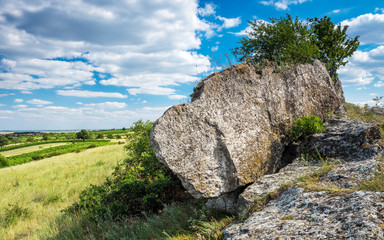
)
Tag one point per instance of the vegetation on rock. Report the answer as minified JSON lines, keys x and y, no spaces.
{"x":289,"y":41}
{"x":303,"y":127}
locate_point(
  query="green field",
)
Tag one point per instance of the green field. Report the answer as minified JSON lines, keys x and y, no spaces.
{"x":19,"y":151}
{"x":33,"y":194}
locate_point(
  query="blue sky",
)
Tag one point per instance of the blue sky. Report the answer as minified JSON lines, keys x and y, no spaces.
{"x":99,"y":64}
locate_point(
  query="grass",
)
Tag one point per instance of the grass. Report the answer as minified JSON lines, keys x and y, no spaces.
{"x":33,"y":194}
{"x":367,"y":114}
{"x":375,"y":183}
{"x":19,"y":151}
{"x":178,"y":221}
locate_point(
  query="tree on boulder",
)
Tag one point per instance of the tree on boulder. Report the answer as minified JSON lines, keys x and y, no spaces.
{"x":289,"y":41}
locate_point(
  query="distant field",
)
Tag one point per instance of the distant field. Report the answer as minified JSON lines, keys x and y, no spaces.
{"x":31,"y":149}
{"x":33,"y":194}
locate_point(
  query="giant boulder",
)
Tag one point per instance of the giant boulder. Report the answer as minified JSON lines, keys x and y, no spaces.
{"x":236,"y":126}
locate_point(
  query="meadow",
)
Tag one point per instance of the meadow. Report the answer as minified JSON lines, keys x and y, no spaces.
{"x":33,"y":194}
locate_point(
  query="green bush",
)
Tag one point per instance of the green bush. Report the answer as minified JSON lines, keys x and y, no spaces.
{"x":3,"y":161}
{"x":306,"y":126}
{"x":140,"y":184}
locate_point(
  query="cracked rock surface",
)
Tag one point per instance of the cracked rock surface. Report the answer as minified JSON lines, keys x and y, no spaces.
{"x":315,"y":215}
{"x":306,"y":214}
{"x":235,"y":129}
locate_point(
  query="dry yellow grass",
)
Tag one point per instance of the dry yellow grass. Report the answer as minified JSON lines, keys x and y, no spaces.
{"x":31,"y":149}
{"x":43,"y":188}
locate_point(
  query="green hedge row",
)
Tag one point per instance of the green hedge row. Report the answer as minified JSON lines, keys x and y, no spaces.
{"x":3,"y":149}
{"x":50,"y":152}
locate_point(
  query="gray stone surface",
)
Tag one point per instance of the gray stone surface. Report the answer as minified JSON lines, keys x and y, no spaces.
{"x":346,"y":139}
{"x":234,"y":130}
{"x":299,"y":214}
{"x":315,"y":215}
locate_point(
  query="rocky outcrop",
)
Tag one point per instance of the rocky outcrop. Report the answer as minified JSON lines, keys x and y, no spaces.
{"x":324,"y":201}
{"x":297,"y":214}
{"x":345,"y":139}
{"x":235,"y":129}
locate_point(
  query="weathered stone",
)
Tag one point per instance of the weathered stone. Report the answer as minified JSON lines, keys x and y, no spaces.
{"x":235,"y":129}
{"x":346,"y":139}
{"x":297,"y":214}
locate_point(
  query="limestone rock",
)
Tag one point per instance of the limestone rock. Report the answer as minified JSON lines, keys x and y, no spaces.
{"x":315,"y":215}
{"x":346,"y":139}
{"x":235,"y":129}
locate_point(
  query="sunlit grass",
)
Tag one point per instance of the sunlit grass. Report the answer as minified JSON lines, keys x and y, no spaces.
{"x":31,"y":149}
{"x":33,"y":194}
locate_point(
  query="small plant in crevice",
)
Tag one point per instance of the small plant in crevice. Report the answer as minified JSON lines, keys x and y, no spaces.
{"x":303,"y":127}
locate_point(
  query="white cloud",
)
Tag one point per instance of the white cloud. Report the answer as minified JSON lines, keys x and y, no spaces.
{"x":244,"y":32}
{"x":151,"y":90}
{"x":107,"y":105}
{"x":366,"y":26}
{"x":229,"y":22}
{"x":361,"y":88}
{"x":379,"y":10}
{"x":336,"y":11}
{"x":364,"y":67}
{"x":379,"y":84}
{"x":207,"y":10}
{"x":26,"y":92}
{"x":373,"y":94}
{"x":177,"y":97}
{"x":18,"y":100}
{"x":122,"y":39}
{"x":2,"y":105}
{"x":282,"y":4}
{"x":39,"y":102}
{"x":215,"y":48}
{"x":20,"y":106}
{"x":89,"y":94}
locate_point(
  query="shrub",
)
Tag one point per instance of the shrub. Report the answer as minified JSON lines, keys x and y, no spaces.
{"x":139,"y":184}
{"x":3,"y":161}
{"x":306,"y":126}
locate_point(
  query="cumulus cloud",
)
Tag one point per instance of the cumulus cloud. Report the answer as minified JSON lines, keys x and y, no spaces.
{"x":229,"y":22}
{"x":367,"y":27}
{"x":379,"y":84}
{"x":68,"y":41}
{"x":177,"y":97}
{"x":89,"y":94}
{"x":20,"y":106}
{"x":364,"y":67}
{"x":282,"y":4}
{"x":207,"y":10}
{"x":107,"y":105}
{"x":39,"y":102}
{"x":18,"y":100}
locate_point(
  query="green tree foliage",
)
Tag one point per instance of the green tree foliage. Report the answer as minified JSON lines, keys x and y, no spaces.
{"x":3,"y":161}
{"x":333,"y":43}
{"x":84,"y":134}
{"x":284,"y":40}
{"x":289,"y":41}
{"x":100,"y":136}
{"x":306,"y":126}
{"x":3,"y":141}
{"x":140,"y":184}
{"x":45,"y":136}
